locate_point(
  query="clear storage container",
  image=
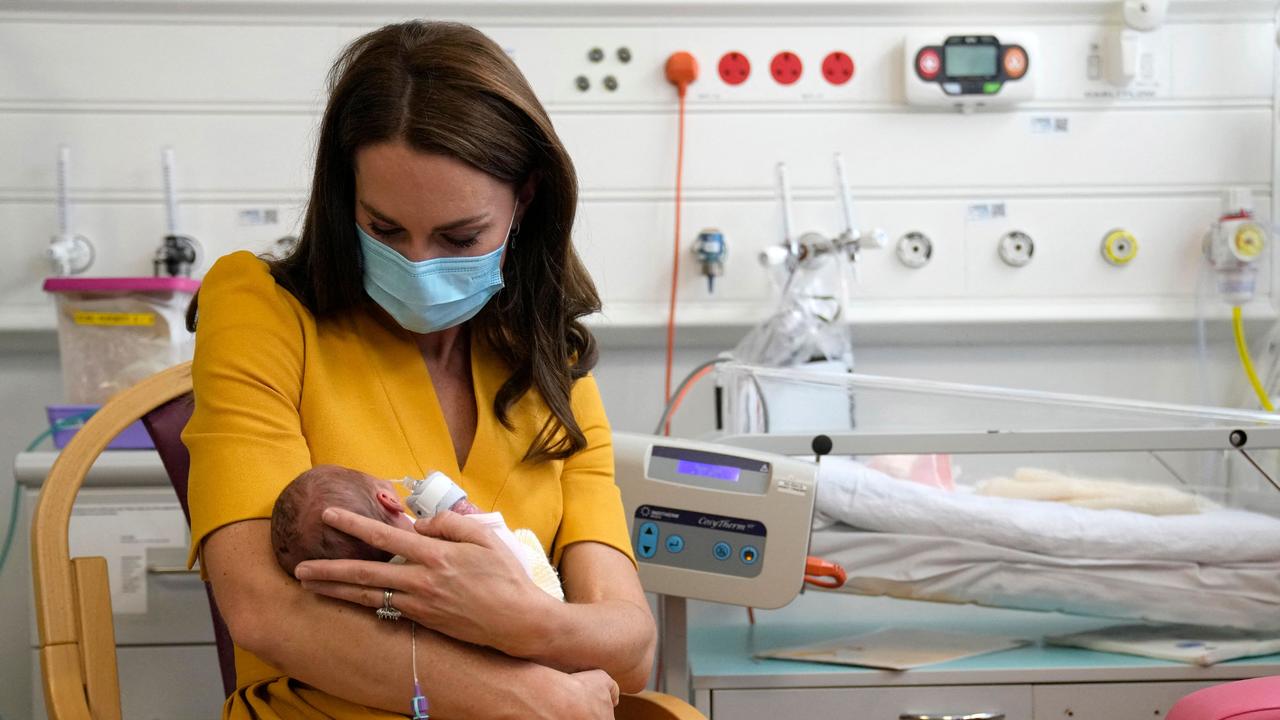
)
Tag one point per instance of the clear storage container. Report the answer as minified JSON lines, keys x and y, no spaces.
{"x":113,"y":332}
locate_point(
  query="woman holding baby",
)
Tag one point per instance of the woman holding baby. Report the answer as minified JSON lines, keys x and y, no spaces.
{"x":428,"y":320}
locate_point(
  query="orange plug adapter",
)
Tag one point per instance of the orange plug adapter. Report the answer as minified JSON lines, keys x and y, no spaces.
{"x":682,"y":70}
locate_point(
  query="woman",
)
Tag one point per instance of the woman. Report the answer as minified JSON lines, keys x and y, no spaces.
{"x":428,"y":320}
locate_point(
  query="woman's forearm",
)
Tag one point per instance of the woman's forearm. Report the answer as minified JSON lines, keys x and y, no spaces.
{"x":345,"y":651}
{"x":606,"y":624}
{"x":358,"y":658}
{"x":611,"y":635}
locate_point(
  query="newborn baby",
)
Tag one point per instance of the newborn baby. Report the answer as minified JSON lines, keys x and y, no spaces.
{"x":298,"y":533}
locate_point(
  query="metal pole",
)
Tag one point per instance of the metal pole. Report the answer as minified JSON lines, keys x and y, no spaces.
{"x":673,"y":646}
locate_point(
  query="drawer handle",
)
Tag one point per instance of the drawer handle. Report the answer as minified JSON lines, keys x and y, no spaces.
{"x":171,"y":570}
{"x":970,"y":716}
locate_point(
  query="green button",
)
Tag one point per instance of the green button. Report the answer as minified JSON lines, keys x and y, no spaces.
{"x":991,"y":88}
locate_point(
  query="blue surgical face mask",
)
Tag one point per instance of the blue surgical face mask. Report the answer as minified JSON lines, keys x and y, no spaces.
{"x":430,"y":295}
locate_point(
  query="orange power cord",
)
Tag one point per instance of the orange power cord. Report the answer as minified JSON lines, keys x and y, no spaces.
{"x":681,"y":69}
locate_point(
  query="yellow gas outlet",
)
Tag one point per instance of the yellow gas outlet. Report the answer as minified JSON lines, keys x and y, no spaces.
{"x":1119,"y":247}
{"x":1248,"y":242}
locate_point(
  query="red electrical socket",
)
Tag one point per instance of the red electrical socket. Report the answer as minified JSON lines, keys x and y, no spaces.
{"x":837,"y":68}
{"x":734,"y":68}
{"x":786,"y":67}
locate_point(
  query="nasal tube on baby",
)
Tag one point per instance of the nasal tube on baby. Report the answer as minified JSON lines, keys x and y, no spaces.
{"x":432,"y":495}
{"x":438,"y":492}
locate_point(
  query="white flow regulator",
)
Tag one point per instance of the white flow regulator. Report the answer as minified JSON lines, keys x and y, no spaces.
{"x":1233,"y":246}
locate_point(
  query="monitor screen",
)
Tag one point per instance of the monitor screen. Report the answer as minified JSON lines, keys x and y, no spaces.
{"x":970,"y":61}
{"x":708,"y":470}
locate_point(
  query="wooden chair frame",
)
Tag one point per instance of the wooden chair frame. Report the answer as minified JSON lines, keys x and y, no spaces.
{"x":72,"y":596}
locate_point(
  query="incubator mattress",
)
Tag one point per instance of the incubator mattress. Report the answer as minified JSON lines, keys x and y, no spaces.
{"x":945,"y":569}
{"x":901,"y":539}
{"x":862,"y":498}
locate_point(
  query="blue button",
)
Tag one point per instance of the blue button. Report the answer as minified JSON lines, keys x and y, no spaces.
{"x":647,"y":544}
{"x":675,"y":543}
{"x":722,"y":551}
{"x":749,"y":555}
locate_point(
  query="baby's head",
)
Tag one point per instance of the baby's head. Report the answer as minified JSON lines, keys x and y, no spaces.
{"x":298,"y":533}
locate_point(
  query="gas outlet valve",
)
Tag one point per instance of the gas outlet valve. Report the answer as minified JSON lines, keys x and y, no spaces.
{"x":1119,"y":247}
{"x":915,"y":249}
{"x":1016,"y":248}
{"x":710,"y":250}
{"x":1233,"y":246}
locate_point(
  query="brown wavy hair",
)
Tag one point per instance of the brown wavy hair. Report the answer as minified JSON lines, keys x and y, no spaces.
{"x":446,"y":88}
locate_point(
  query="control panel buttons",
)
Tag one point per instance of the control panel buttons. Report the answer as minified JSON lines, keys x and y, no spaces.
{"x":1015,"y":62}
{"x":952,"y":88}
{"x":675,"y":544}
{"x":928,"y":64}
{"x":749,"y":555}
{"x":647,"y":545}
{"x":722,"y":551}
{"x":991,"y":88}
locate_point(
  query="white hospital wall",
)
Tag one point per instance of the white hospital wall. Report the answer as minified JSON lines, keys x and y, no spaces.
{"x":235,"y":88}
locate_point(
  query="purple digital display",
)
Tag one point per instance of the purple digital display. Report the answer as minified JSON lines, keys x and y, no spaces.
{"x":707,"y":470}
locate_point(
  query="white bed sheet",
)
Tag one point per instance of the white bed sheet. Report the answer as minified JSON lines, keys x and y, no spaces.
{"x":863,"y":498}
{"x":1245,"y":595}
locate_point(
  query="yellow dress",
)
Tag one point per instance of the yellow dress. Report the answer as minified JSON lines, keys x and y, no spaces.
{"x":276,"y":393}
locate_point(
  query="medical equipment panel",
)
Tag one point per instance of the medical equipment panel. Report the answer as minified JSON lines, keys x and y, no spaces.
{"x":699,"y":541}
{"x":702,"y":519}
{"x":969,"y":70}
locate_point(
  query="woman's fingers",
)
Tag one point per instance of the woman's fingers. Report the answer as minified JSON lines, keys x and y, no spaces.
{"x":367,"y":596}
{"x":458,"y":528}
{"x":355,"y":572}
{"x":378,"y":534}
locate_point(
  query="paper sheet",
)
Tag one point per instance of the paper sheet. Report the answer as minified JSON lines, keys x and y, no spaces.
{"x":122,"y":532}
{"x":1202,"y":646}
{"x":896,"y":648}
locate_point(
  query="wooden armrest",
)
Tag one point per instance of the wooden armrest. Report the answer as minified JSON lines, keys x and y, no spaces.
{"x":655,"y":706}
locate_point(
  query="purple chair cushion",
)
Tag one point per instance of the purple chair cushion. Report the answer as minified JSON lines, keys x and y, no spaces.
{"x":165,"y":424}
{"x":1256,"y":699}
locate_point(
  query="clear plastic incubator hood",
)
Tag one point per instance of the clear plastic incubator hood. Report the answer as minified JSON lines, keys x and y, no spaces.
{"x":1030,"y":500}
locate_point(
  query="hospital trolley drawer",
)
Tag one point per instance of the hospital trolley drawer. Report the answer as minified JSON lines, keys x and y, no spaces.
{"x":1013,"y":702}
{"x":1111,"y":701}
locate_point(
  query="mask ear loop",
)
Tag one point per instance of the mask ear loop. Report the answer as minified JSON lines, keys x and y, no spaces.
{"x":512,"y":233}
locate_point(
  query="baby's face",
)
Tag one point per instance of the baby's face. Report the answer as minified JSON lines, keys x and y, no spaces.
{"x":389,"y":499}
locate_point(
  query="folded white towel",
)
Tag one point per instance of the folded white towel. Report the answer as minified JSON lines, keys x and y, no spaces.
{"x":863,"y":498}
{"x":1041,"y":484}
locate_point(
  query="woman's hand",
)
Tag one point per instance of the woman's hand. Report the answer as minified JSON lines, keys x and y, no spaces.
{"x":460,"y":580}
{"x":592,"y":695}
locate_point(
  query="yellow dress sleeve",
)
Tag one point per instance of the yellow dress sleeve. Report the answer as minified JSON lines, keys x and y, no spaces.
{"x":592,"y":503}
{"x":245,"y":436}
